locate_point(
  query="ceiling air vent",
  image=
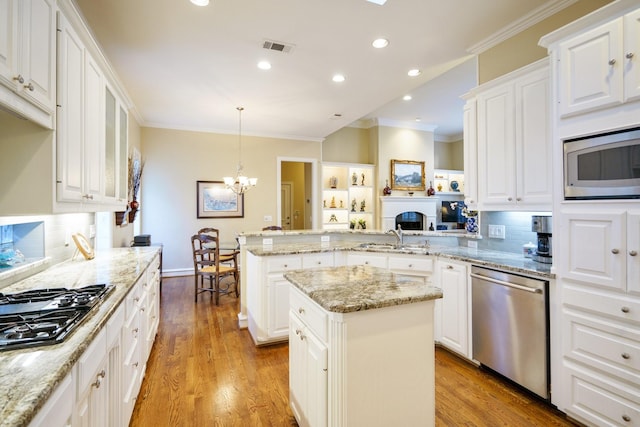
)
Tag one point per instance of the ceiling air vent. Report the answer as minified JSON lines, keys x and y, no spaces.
{"x":278,"y":46}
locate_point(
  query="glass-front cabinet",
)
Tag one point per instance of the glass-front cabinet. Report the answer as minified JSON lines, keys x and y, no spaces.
{"x":115,"y":149}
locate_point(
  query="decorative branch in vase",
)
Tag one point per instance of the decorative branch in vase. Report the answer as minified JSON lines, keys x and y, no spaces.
{"x":136,"y":166}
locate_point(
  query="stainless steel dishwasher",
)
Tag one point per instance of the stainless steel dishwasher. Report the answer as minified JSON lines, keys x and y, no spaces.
{"x":511,"y":327}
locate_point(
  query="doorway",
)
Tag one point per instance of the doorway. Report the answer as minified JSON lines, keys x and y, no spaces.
{"x":296,"y":198}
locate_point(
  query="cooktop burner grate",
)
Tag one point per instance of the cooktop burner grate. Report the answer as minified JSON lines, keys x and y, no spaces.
{"x":45,"y":316}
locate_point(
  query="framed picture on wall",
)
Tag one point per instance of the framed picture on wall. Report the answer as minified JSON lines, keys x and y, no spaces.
{"x":217,"y":201}
{"x":407,"y":175}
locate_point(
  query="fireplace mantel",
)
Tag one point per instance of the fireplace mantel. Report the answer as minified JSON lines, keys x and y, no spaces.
{"x":391,"y":206}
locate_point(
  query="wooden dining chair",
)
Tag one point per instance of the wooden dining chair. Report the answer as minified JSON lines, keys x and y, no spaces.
{"x":208,"y":264}
{"x":226,"y":255}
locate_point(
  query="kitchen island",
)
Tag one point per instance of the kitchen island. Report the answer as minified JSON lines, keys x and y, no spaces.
{"x":361,"y":347}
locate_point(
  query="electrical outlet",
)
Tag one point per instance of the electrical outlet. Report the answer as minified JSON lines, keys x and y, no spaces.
{"x":267,"y":242}
{"x":268,"y":218}
{"x":92,"y":231}
{"x":496,"y":231}
{"x":324,"y":238}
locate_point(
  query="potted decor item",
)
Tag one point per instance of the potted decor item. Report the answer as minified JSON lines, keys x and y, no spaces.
{"x":352,"y":224}
{"x":363,"y":224}
{"x":472,"y":220}
{"x":135,"y":167}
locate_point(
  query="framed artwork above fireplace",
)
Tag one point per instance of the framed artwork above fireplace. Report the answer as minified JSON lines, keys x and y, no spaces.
{"x":407,"y":175}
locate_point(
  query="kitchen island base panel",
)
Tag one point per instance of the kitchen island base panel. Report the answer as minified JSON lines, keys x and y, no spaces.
{"x":381,"y":368}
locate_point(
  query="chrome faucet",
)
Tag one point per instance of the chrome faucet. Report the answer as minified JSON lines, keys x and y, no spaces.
{"x":398,"y":234}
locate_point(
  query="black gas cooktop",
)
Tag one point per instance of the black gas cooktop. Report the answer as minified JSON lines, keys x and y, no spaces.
{"x":45,"y":316}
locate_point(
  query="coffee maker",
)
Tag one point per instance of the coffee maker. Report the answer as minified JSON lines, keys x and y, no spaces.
{"x":542,"y":225}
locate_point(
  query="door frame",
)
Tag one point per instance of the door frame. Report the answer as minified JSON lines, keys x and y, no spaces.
{"x":284,"y":184}
{"x":314,"y":187}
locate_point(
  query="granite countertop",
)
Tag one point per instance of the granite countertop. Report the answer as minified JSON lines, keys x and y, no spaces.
{"x":29,"y":376}
{"x":512,"y":262}
{"x":356,"y":288}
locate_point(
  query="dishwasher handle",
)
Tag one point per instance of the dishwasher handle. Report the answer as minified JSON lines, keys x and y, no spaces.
{"x":510,"y":285}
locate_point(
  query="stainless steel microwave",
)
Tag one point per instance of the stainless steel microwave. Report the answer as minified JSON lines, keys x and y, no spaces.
{"x":604,"y":166}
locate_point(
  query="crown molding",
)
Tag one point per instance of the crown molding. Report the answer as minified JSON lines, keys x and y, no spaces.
{"x":546,"y":10}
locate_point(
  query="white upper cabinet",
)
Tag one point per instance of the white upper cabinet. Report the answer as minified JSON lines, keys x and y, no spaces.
{"x":27,"y":58}
{"x":599,"y":68}
{"x":514,"y":142}
{"x":470,"y":155}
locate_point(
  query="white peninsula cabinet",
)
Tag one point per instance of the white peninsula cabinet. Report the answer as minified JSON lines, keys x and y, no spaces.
{"x":452,"y":311}
{"x":268,"y":292}
{"x":601,"y":317}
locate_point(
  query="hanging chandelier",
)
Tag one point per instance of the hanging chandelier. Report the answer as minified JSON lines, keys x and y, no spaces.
{"x":240,"y":184}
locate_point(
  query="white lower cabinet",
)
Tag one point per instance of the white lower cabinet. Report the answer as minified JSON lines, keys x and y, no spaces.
{"x":452,"y":311}
{"x":367,"y":258}
{"x":365,"y":368}
{"x":418,"y":266}
{"x":58,"y":411}
{"x":93,"y":385}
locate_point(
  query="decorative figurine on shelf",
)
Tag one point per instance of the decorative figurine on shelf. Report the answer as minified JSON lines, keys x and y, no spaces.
{"x":386,"y":191}
{"x":324,"y":203}
{"x":333,"y":218}
{"x":431,"y":227}
{"x":430,"y":190}
{"x":341,"y":204}
{"x":362,"y":206}
{"x":333,"y":182}
{"x":354,"y":179}
{"x":352,"y":224}
{"x":439,"y":187}
{"x":333,"y":202}
{"x":353,"y":205}
{"x":362,"y":182}
{"x":362,"y":223}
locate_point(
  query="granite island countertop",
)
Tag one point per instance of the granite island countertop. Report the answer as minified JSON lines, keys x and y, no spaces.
{"x":356,"y":288}
{"x":29,"y":376}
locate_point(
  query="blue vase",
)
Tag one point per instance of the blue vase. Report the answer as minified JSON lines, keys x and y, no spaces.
{"x":472,"y":224}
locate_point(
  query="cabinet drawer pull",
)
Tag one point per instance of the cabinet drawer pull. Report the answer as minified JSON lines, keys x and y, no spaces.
{"x":285,"y":266}
{"x":135,"y":331}
{"x":298,"y":331}
{"x":135,"y":365}
{"x":102,"y":374}
{"x":366,"y":263}
{"x":626,"y":418}
{"x":301,"y":310}
{"x":509,"y":199}
{"x":96,"y":383}
{"x":612,"y":61}
{"x":633,"y":253}
{"x":615,"y":251}
{"x":518,"y":199}
{"x":30,"y":87}
{"x":449,"y":267}
{"x":629,"y":55}
{"x":625,"y":309}
{"x":410,"y":265}
{"x":626,"y":356}
{"x":319,"y":262}
{"x":19,"y":78}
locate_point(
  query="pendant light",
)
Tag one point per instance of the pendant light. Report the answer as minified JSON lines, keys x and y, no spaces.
{"x":240,"y":184}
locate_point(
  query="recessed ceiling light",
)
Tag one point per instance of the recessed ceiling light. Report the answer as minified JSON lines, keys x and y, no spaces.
{"x":200,"y":2}
{"x":414,"y":72}
{"x":406,"y":98}
{"x":380,"y":2}
{"x":380,"y":43}
{"x":264,"y":65}
{"x":338,"y":78}
{"x":418,"y":119}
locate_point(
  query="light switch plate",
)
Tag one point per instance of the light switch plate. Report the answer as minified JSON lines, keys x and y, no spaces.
{"x":472,"y":244}
{"x":496,"y":231}
{"x":268,"y":218}
{"x":324,"y":238}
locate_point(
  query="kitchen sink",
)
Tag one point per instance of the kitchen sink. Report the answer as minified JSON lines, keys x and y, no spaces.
{"x":406,"y":248}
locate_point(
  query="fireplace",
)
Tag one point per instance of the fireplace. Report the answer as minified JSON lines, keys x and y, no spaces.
{"x":418,"y":212}
{"x":410,"y":221}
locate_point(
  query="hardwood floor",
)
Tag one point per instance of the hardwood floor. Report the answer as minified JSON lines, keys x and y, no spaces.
{"x":204,"y":371}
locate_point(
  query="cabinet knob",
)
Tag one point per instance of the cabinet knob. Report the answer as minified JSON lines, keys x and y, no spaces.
{"x":449,"y":267}
{"x":633,"y":253}
{"x":518,"y":199}
{"x":285,"y":266}
{"x":102,"y":373}
{"x":319,"y":262}
{"x":298,"y":331}
{"x":19,"y":78}
{"x":135,"y":365}
{"x":627,"y":418}
{"x":29,"y":87}
{"x":625,"y":309}
{"x":510,"y":199}
{"x":301,"y":310}
{"x":629,"y":55}
{"x":410,"y":265}
{"x":366,"y":263}
{"x":612,"y":61}
{"x":626,"y":356}
{"x":615,"y":251}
